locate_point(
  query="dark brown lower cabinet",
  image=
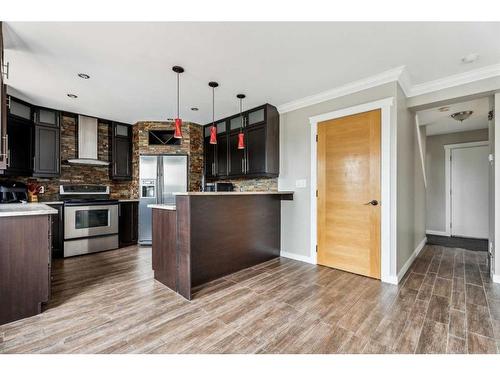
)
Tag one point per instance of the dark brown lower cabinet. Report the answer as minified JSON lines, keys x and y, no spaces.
{"x":128,"y":223}
{"x":58,"y":231}
{"x":24,"y":266}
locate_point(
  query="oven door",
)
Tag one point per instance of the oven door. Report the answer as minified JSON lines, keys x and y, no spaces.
{"x":89,"y":221}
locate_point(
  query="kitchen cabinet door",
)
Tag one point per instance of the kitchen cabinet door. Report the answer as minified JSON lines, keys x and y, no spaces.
{"x":236,"y":156}
{"x":255,"y":149}
{"x":57,"y":231}
{"x":128,"y":223}
{"x":46,"y":117}
{"x":20,"y":150}
{"x":47,"y":152}
{"x":209,"y":152}
{"x":3,"y":109}
{"x":121,"y":152}
{"x":222,"y":164}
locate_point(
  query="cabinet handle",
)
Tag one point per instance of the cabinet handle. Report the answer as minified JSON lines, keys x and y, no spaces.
{"x":243,"y":166}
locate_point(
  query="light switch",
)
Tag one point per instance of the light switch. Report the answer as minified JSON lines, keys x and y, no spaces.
{"x":301,"y":183}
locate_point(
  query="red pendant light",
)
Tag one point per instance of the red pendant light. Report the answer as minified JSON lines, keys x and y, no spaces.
{"x":213,"y":128}
{"x":178,"y":121}
{"x":241,"y":135}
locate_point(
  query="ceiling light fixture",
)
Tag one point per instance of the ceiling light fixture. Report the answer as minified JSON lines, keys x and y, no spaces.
{"x":178,"y":122}
{"x":461,"y":116}
{"x":72,"y":96}
{"x":83,"y":75}
{"x":213,"y":128}
{"x":470,"y":58}
{"x":241,"y":135}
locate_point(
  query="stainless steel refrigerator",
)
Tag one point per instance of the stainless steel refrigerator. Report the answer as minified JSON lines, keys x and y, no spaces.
{"x":160,"y":176}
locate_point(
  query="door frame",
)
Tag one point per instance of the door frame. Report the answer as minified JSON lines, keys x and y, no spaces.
{"x":447,"y":176}
{"x":388,"y":188}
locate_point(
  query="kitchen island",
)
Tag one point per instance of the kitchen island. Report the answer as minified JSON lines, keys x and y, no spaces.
{"x":207,"y":235}
{"x":25,"y":259}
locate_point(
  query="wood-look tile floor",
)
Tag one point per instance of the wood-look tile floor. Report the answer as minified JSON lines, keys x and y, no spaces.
{"x":109,"y":303}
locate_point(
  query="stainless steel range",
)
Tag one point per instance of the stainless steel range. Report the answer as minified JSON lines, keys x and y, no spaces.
{"x":90,"y":219}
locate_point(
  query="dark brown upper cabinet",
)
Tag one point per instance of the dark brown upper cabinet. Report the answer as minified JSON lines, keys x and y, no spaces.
{"x":121,"y":151}
{"x":260,"y":158}
{"x":46,"y":117}
{"x":3,"y":108}
{"x":47,"y":144}
{"x":19,"y":139}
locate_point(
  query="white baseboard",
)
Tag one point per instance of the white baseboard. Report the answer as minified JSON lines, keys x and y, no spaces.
{"x":409,"y":262}
{"x":496,"y":279}
{"x":301,"y":258}
{"x":390,"y":280}
{"x":437,"y":233}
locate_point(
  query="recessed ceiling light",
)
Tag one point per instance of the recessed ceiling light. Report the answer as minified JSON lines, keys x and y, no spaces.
{"x":444,"y":109}
{"x":470,"y":58}
{"x":72,"y":96}
{"x":194,"y":108}
{"x":83,"y":75}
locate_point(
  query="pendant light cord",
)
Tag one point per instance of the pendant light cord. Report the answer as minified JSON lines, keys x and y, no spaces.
{"x":241,"y":109}
{"x":213,"y":106}
{"x":178,"y":93}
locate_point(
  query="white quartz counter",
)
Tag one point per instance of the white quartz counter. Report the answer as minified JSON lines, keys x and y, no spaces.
{"x":25,"y":209}
{"x":170,"y":207}
{"x":286,"y":192}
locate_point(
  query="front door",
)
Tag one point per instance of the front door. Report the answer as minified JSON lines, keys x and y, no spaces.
{"x":349,"y":193}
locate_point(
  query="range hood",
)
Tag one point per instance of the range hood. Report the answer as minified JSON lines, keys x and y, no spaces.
{"x":87,"y":142}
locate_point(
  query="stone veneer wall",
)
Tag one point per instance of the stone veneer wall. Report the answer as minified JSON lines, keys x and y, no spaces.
{"x":192,"y":145}
{"x":257,"y":184}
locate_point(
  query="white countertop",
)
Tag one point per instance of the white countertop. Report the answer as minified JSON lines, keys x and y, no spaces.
{"x":128,"y":200}
{"x":236,"y":192}
{"x":170,"y":207}
{"x":25,"y":209}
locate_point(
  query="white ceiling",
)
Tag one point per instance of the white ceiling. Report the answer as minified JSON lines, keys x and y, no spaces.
{"x":130,"y":63}
{"x":437,"y":122}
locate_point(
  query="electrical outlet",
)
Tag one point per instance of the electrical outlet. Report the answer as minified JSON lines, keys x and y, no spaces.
{"x":41,"y":190}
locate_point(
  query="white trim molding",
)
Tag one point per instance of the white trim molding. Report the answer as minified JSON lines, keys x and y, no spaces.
{"x":400,"y":75}
{"x":437,"y":233}
{"x":301,"y":258}
{"x":410,"y":260}
{"x":464,"y":78}
{"x":388,"y":238}
{"x":420,"y":149}
{"x":447,"y":176}
{"x":352,"y":87}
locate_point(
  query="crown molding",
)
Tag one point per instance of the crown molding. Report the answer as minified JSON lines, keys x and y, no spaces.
{"x":470,"y":76}
{"x":400,"y":75}
{"x":350,"y":88}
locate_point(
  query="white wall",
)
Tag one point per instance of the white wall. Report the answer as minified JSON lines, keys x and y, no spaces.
{"x":435,"y":166}
{"x":410,"y":182}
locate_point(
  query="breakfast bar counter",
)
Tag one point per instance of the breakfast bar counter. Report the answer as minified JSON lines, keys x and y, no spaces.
{"x":209,"y":235}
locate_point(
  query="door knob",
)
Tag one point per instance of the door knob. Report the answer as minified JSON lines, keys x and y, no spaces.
{"x":373,"y":202}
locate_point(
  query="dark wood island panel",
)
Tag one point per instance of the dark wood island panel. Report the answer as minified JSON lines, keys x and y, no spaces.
{"x":25,"y":253}
{"x":215,"y":235}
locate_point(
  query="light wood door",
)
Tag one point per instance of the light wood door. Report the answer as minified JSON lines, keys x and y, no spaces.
{"x":348,"y":179}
